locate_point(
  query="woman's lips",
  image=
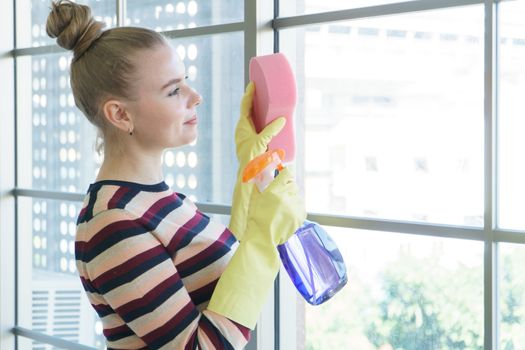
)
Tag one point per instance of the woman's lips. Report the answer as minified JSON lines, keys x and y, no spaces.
{"x":193,"y":120}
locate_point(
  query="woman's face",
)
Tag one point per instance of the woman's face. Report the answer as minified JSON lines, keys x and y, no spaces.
{"x":164,"y":113}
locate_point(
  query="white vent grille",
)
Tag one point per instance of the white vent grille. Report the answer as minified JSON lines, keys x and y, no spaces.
{"x":57,"y":313}
{"x":59,"y":308}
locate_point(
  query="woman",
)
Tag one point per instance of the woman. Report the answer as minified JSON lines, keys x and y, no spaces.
{"x":158,"y":272}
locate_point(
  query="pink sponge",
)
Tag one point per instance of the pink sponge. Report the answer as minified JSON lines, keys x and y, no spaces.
{"x":275,"y":96}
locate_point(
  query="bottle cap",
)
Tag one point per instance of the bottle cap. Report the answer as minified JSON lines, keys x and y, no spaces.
{"x":259,"y":163}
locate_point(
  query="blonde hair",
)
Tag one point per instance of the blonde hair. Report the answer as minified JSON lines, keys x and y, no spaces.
{"x":102,"y":66}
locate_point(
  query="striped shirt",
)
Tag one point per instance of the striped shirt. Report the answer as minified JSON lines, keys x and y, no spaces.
{"x":149,"y":261}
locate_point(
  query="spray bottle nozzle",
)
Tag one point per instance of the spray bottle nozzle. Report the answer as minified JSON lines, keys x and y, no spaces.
{"x":261,"y":169}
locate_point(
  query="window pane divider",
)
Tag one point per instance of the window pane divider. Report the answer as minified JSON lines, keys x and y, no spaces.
{"x":344,"y":221}
{"x":369,"y":12}
{"x":171,"y":34}
{"x":409,"y":227}
{"x":37,"y":50}
{"x":509,"y":236}
{"x":121,"y":6}
{"x":43,"y":194}
{"x":490,"y":263}
{"x":212,"y":208}
{"x":49,"y":339}
{"x":205,"y":30}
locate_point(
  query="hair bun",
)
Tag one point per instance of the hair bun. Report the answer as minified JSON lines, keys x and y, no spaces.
{"x":73,"y":26}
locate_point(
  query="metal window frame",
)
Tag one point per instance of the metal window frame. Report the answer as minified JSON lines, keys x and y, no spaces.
{"x":258,"y":40}
{"x":344,"y":221}
{"x":369,"y":12}
{"x":491,"y":285}
{"x":8,"y":178}
{"x":261,"y":26}
{"x":49,"y":339}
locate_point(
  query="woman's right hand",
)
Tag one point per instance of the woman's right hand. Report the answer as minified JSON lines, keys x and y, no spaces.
{"x":277,"y":212}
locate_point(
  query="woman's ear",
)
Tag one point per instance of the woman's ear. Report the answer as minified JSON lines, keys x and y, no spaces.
{"x":115,"y":112}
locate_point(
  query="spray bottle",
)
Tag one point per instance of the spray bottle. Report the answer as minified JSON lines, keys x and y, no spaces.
{"x":310,"y":256}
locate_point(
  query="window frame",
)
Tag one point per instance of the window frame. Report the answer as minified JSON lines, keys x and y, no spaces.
{"x":261,"y":27}
{"x":8,"y":178}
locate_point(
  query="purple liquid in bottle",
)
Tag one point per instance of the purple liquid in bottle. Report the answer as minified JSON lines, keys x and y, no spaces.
{"x":314,"y":263}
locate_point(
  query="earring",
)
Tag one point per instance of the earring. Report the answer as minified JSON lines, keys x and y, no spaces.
{"x":130,"y":130}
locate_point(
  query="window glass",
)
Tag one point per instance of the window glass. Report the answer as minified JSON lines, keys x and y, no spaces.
{"x":391,"y":110}
{"x":512,"y":296}
{"x":291,"y":8}
{"x":31,"y":16}
{"x":169,"y":15}
{"x":403,"y":292}
{"x":511,"y":122}
{"x":215,"y":67}
{"x":56,"y":144}
{"x":55,"y":140}
{"x":51,"y":297}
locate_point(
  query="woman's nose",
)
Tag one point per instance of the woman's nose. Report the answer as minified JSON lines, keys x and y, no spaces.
{"x":196,"y":98}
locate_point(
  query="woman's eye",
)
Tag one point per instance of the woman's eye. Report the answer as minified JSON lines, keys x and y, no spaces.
{"x":174,"y":92}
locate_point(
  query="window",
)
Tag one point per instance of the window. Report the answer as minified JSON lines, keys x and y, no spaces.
{"x":56,"y":157}
{"x":511,"y":127}
{"x":399,"y":126}
{"x":409,"y":124}
{"x":403,"y":292}
{"x":391,"y":98}
{"x":511,"y":297}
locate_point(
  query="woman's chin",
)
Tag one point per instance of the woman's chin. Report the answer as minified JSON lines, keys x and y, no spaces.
{"x":188,"y":139}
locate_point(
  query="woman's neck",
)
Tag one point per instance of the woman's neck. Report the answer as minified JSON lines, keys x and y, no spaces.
{"x":139,"y":168}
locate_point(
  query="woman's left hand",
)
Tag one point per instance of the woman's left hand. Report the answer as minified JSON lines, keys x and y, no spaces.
{"x":249,"y":144}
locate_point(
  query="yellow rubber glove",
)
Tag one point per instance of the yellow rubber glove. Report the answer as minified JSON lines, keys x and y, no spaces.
{"x":274,"y":215}
{"x":248,"y":144}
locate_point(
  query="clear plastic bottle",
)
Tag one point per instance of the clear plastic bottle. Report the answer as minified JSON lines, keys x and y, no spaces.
{"x":310,"y":256}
